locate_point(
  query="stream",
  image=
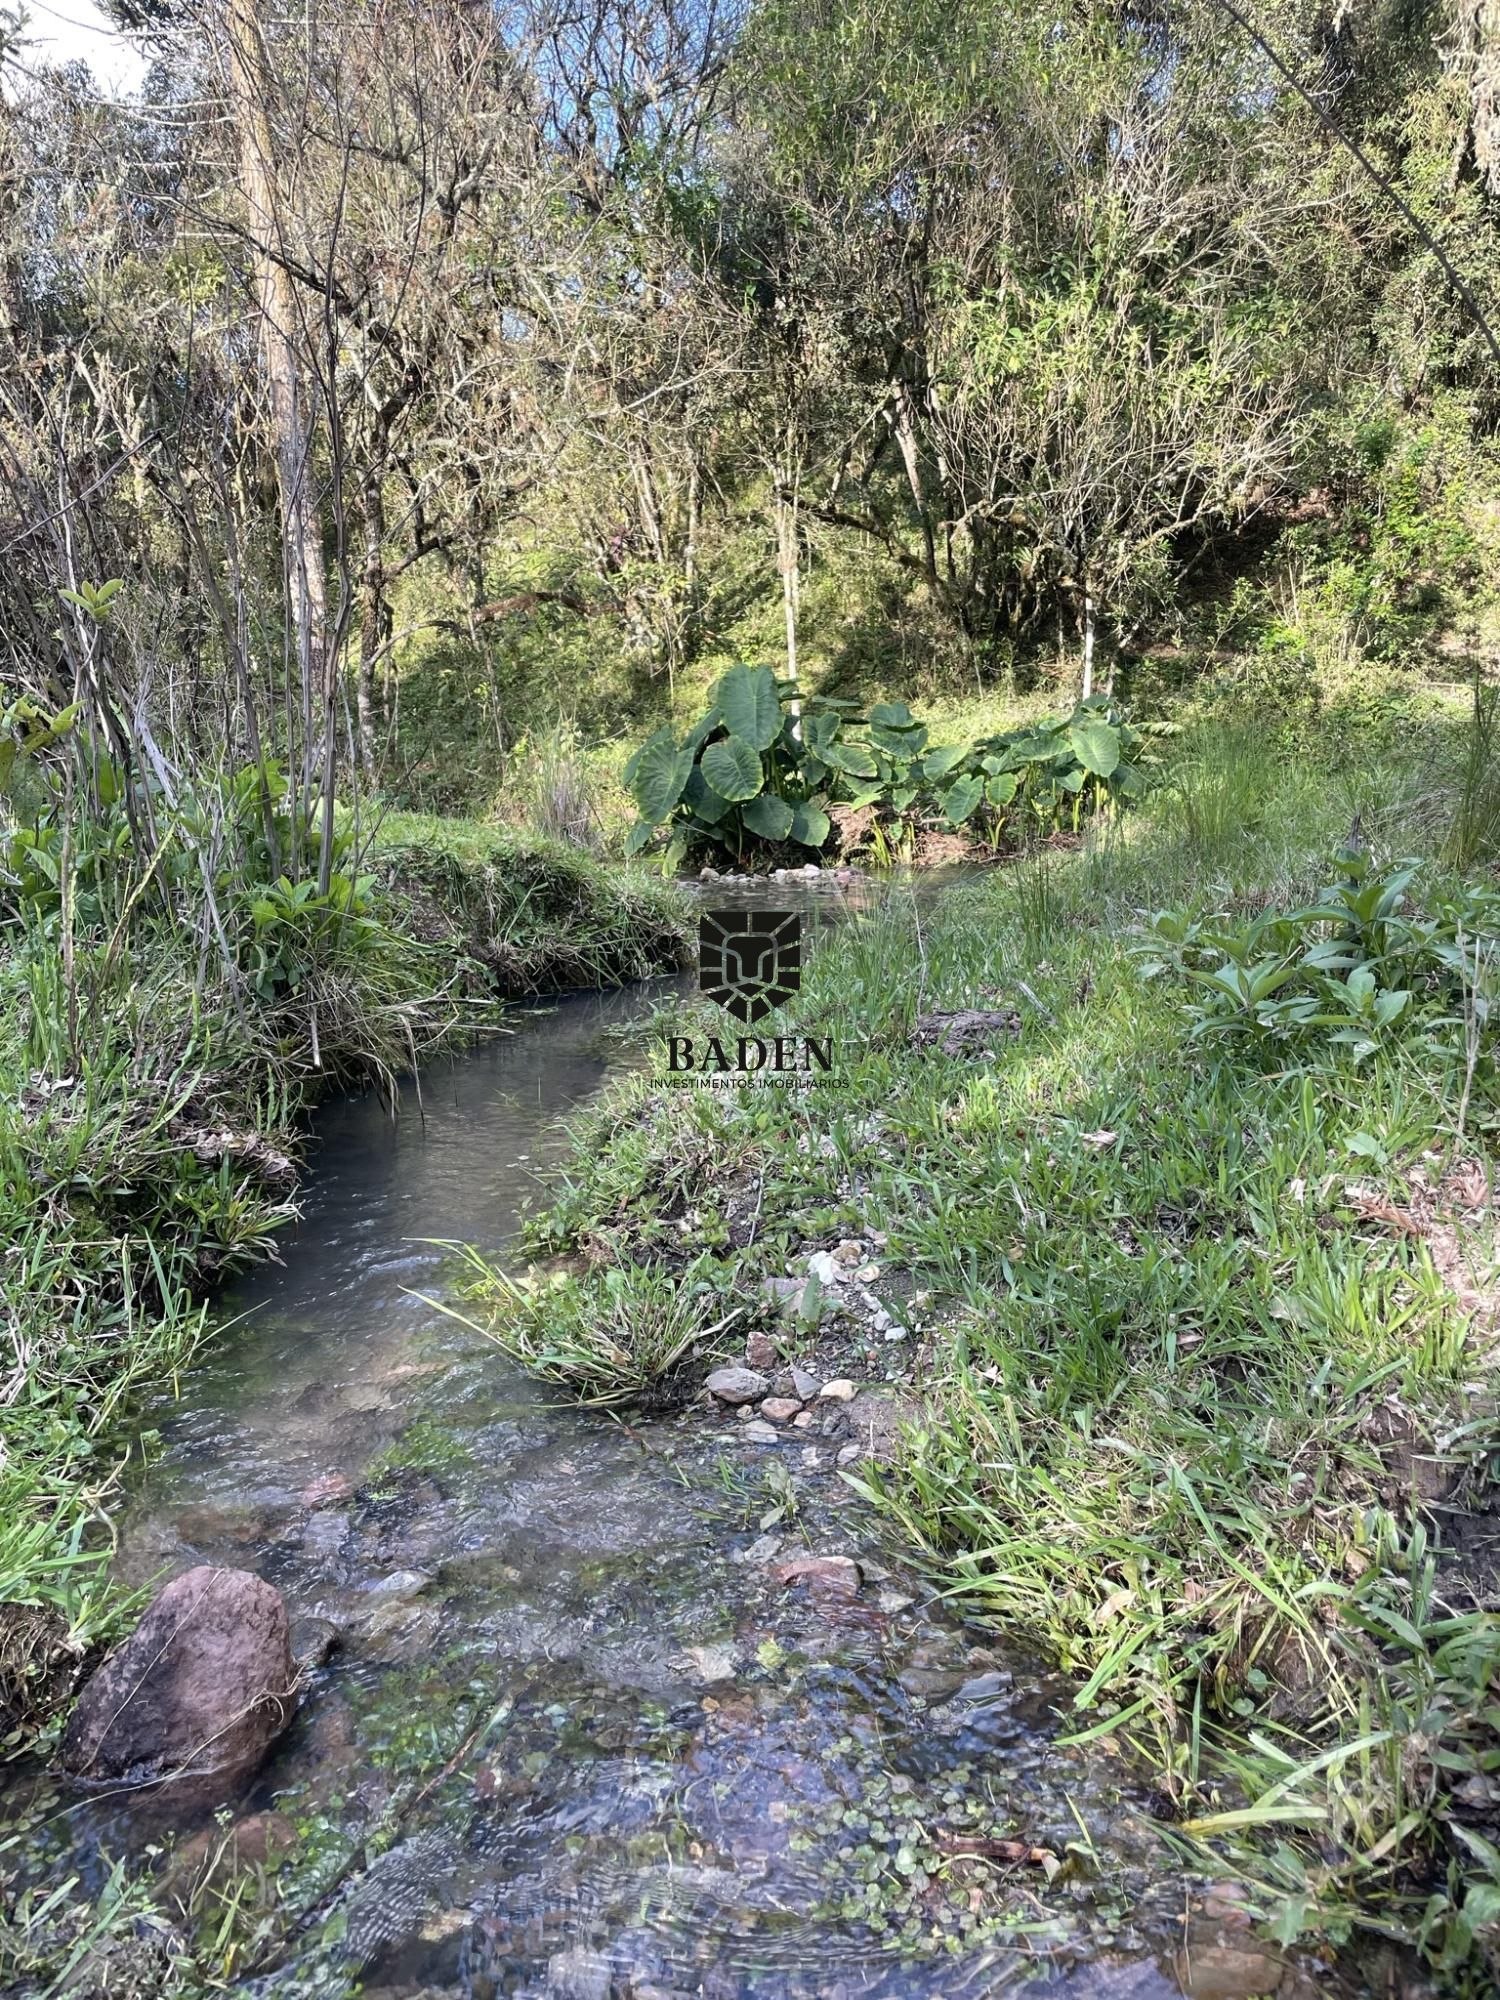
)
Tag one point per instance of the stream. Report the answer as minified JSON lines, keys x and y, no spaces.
{"x":575,"y":1741}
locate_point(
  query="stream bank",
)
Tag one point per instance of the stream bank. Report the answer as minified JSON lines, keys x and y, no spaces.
{"x":1196,"y":1333}
{"x":593,"y":1726}
{"x":149,"y":1128}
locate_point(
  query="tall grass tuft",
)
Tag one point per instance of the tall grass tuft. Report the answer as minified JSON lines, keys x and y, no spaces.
{"x":1474,"y":835}
{"x":551,"y":789}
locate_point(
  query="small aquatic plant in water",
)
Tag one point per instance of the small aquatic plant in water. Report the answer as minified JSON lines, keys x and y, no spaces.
{"x":603,"y":1335}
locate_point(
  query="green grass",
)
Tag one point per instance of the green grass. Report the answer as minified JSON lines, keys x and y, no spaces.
{"x":1167,"y":1339}
{"x":608,"y":1337}
{"x":539,"y":916}
{"x":144,"y":1153}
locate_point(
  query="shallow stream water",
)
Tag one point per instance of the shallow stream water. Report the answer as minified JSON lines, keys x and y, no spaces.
{"x":575,"y":1741}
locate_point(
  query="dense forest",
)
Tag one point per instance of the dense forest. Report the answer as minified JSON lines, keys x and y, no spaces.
{"x":499,"y":365}
{"x":466,"y":464}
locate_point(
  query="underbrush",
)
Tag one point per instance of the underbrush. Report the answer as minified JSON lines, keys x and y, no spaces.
{"x":1197,"y":1284}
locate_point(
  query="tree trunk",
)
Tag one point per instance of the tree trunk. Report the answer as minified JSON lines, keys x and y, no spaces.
{"x":372,"y":615}
{"x":787,"y":558}
{"x":1088,"y":641}
{"x":906,"y":439}
{"x":690,"y":559}
{"x":301,"y":540}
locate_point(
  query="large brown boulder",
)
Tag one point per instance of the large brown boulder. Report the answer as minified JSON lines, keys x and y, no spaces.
{"x":201,"y":1688}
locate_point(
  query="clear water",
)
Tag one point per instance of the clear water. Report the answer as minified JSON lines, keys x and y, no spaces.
{"x":573,"y":1744}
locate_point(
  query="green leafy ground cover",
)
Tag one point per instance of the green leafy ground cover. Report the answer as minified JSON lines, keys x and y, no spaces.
{"x":1196,"y":1274}
{"x":147,"y":1120}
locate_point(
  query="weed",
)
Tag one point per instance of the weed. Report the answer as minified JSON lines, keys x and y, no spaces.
{"x":605,"y":1336}
{"x":1474,"y":835}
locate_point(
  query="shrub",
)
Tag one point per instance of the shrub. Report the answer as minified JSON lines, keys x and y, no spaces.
{"x":1043,"y":775}
{"x":760,"y":769}
{"x":1354,"y":968}
{"x":754,"y":767}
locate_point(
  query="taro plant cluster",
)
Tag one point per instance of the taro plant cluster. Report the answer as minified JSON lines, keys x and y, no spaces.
{"x":763,"y":769}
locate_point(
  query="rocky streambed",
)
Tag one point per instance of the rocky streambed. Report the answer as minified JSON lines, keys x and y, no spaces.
{"x":584,"y":1708}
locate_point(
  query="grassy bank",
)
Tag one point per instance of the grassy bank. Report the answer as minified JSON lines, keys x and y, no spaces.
{"x":1195,"y":1272}
{"x":536,"y":915}
{"x":148,"y":1109}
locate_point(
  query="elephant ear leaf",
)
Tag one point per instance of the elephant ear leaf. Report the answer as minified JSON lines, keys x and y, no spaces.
{"x":768,"y":816}
{"x":633,"y":763}
{"x":749,"y":705}
{"x":892,"y":715}
{"x":731,"y":767}
{"x":638,"y":836}
{"x":702,"y":800}
{"x":820,"y":728}
{"x":703,"y":728}
{"x":810,"y":826}
{"x":894,"y":729}
{"x":661,"y":772}
{"x":960,"y":800}
{"x":852,"y":758}
{"x":1095,"y":743}
{"x":1002,"y":788}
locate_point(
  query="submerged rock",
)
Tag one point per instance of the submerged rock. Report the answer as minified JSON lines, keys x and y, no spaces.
{"x":313,"y":1641}
{"x":212,"y":1858}
{"x":202,"y":1687}
{"x":736,"y":1385}
{"x":826,"y":1576}
{"x":579,"y":1974}
{"x":1217,"y":1971}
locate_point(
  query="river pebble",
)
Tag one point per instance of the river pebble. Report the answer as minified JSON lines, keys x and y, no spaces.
{"x":737,"y":1385}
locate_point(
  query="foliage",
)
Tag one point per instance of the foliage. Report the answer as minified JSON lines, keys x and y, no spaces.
{"x":605,"y":1336}
{"x":1356,"y":968}
{"x":761,"y":769}
{"x":757,"y":766}
{"x":1400,"y":554}
{"x":226,"y":841}
{"x":1041,"y":775}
